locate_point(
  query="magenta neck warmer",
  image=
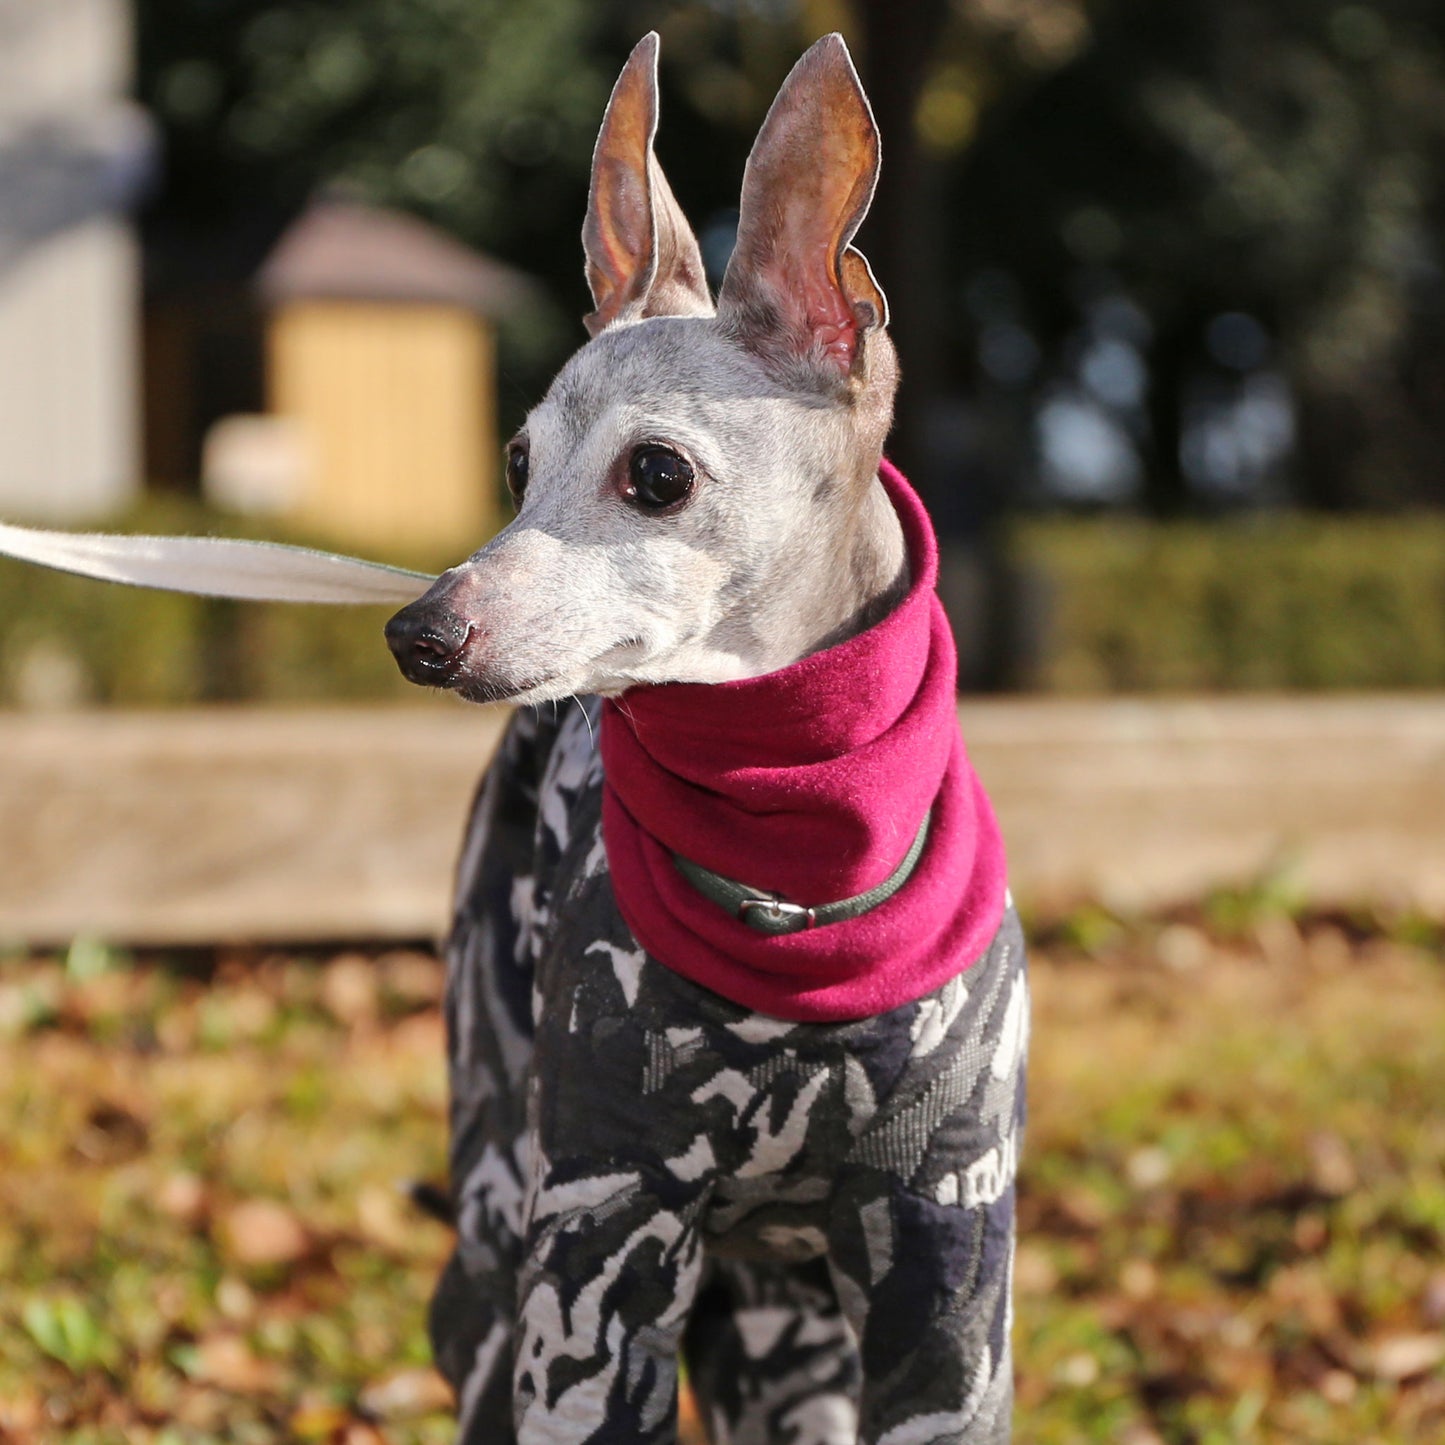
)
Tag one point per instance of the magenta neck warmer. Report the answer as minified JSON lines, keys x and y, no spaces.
{"x":811,"y":782}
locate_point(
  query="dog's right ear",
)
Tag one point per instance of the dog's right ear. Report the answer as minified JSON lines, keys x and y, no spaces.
{"x":642,"y":258}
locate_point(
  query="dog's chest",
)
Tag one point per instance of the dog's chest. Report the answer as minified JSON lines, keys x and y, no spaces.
{"x":761,"y":1116}
{"x":701,"y":1090}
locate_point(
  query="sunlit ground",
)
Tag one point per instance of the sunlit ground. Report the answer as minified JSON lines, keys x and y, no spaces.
{"x":1233,"y":1207}
{"x":1233,"y":1204}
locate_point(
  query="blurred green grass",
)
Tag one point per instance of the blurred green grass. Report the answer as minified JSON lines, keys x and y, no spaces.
{"x":1232,"y":1208}
{"x":200,"y":1223}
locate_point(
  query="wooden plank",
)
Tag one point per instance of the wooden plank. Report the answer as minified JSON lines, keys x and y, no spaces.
{"x":216,"y":825}
{"x":1142,"y":803}
{"x":343,"y":823}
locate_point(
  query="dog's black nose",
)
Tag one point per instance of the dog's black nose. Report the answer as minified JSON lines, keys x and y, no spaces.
{"x":427,"y":644}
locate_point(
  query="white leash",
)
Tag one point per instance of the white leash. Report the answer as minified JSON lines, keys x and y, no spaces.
{"x":215,"y":566}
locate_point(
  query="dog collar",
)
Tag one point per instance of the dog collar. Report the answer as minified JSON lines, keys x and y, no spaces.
{"x":774,"y":915}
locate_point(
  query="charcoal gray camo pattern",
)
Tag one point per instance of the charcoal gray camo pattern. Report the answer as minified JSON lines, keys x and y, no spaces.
{"x":818,"y":1216}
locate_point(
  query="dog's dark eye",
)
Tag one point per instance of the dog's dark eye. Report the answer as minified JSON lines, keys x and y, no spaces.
{"x":657,"y":477}
{"x":517,"y":469}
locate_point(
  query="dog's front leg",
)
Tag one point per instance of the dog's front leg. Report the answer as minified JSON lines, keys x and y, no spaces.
{"x":502,"y":889}
{"x":610,"y":1271}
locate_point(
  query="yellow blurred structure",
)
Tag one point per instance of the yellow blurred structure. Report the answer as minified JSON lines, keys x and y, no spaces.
{"x":395,"y":402}
{"x":380,"y":350}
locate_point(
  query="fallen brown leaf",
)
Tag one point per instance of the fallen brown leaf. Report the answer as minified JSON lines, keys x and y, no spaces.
{"x":384,"y":1218}
{"x":1432,"y":1305}
{"x":423,"y":1034}
{"x":1139,"y":1279}
{"x":182,"y":1196}
{"x":360,"y":1433}
{"x":111,"y":1134}
{"x":349,"y":988}
{"x":261,"y":1232}
{"x":21,"y":1414}
{"x":1332,"y":1167}
{"x":1304,"y":1290}
{"x":1034,"y":1271}
{"x":250,"y":1012}
{"x":234,"y":1300}
{"x":317,"y":1420}
{"x":1402,"y":1357}
{"x":226,"y":1360}
{"x":1140,"y":1434}
{"x":416,"y":980}
{"x":1148,"y":1168}
{"x":406,"y":1393}
{"x":1182,"y":948}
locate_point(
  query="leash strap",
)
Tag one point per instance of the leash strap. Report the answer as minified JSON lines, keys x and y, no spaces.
{"x":215,"y":566}
{"x":768,"y":913}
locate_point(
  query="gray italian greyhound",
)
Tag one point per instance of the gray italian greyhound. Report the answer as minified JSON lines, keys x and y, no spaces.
{"x":812,"y":1204}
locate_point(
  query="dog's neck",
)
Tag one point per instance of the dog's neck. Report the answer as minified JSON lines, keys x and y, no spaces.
{"x":800,"y":745}
{"x":876,"y":576}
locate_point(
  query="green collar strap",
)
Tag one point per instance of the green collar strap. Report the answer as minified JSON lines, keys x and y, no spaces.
{"x":767,"y":913}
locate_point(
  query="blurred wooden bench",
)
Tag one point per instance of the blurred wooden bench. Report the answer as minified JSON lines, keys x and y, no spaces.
{"x":331,"y":824}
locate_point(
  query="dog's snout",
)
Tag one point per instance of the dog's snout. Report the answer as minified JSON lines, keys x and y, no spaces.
{"x":428,"y":644}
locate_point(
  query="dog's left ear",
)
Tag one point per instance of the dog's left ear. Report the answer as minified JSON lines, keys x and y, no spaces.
{"x":642,"y":258}
{"x":795,"y":289}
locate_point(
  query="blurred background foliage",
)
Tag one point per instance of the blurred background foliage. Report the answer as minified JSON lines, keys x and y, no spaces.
{"x":1303,"y":603}
{"x":1165,"y":217}
{"x":1179,"y":261}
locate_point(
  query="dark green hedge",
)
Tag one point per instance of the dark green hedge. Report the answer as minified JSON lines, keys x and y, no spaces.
{"x":1299,"y":602}
{"x":1113,"y":606}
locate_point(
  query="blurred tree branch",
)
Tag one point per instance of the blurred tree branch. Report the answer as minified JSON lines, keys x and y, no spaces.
{"x":1279,"y":160}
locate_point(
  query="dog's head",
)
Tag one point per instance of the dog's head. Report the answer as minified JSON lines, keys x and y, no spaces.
{"x":696,"y":493}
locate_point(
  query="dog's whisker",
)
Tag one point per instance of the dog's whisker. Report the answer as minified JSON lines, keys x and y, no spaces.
{"x":587,"y":718}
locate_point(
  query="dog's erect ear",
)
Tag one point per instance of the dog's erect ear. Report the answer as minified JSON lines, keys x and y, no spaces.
{"x":642,"y":258}
{"x":795,"y":288}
